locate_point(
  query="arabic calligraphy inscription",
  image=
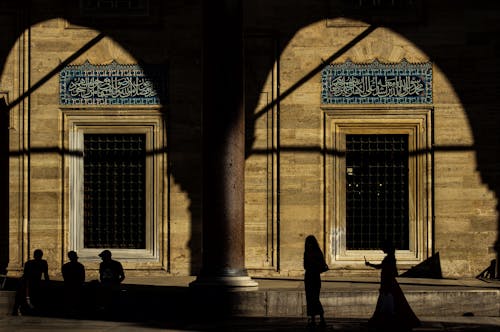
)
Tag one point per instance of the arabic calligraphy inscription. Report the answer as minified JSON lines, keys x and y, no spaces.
{"x":377,"y":83}
{"x":112,"y":84}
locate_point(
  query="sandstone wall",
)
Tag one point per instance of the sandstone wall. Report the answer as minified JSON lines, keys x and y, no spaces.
{"x":285,"y":172}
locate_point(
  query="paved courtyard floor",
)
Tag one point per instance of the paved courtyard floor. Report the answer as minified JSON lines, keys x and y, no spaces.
{"x":154,"y":299}
{"x":430,"y":324}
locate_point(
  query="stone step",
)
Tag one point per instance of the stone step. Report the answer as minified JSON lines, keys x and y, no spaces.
{"x":361,"y":303}
{"x":141,"y":301}
{"x":6,"y":302}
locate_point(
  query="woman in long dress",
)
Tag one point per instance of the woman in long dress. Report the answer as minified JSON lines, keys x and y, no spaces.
{"x":314,"y":265}
{"x":392,"y":313}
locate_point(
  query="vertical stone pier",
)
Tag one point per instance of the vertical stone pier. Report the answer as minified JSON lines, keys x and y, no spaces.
{"x":4,"y":185}
{"x":223,"y":260}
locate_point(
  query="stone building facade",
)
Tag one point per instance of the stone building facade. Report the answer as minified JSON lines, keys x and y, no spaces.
{"x":103,"y":133}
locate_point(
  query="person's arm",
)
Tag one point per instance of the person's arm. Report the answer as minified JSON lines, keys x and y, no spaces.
{"x":82,"y":274}
{"x":100,"y":272}
{"x":377,"y":266}
{"x":121,"y":275}
{"x":46,"y":271}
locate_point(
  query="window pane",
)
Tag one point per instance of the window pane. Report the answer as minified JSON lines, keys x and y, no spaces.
{"x":380,"y":4}
{"x":114,"y":191}
{"x":376,"y":191}
{"x":379,"y":11}
{"x":114,"y":7}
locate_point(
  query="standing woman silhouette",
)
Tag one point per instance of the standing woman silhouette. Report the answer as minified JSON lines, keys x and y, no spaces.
{"x":314,"y":265}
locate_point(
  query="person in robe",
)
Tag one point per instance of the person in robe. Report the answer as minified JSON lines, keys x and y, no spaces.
{"x":314,"y":265}
{"x":392,"y":312}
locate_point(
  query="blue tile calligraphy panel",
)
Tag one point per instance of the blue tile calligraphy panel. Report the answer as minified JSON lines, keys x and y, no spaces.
{"x":112,"y":84}
{"x":377,"y":83}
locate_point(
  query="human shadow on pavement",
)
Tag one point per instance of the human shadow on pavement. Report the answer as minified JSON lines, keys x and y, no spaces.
{"x":429,"y":268}
{"x":136,"y":303}
{"x":186,"y":309}
{"x":489,"y":272}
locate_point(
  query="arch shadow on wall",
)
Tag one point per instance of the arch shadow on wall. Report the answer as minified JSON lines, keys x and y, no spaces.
{"x":479,"y":58}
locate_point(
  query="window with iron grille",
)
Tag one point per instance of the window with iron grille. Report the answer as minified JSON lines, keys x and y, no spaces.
{"x":114,"y":191}
{"x":114,"y":7}
{"x":111,"y":13}
{"x":114,"y":183}
{"x":380,"y":4}
{"x":399,"y":12}
{"x":376,"y":191}
{"x":378,"y":183}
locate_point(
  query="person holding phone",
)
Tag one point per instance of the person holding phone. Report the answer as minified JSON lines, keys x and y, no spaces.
{"x":392,"y":309}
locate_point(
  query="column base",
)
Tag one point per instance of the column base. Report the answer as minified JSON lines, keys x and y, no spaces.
{"x":228,"y":283}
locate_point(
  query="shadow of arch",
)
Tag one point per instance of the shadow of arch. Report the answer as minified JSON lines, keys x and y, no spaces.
{"x":460,"y":39}
{"x":465,"y":61}
{"x":182,"y":126}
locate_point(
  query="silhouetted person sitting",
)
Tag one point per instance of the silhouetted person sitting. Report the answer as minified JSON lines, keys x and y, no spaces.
{"x":111,"y":275}
{"x":314,"y":265}
{"x":31,"y":289}
{"x":74,"y":276}
{"x":110,"y":271}
{"x":392,"y":312}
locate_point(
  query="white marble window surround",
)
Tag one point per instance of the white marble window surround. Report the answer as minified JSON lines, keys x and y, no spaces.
{"x":412,"y":121}
{"x":77,"y":123}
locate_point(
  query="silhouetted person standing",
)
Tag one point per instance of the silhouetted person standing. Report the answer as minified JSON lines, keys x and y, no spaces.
{"x":314,"y":265}
{"x":392,"y":313}
{"x":111,"y":275}
{"x":31,"y":288}
{"x":74,"y":276}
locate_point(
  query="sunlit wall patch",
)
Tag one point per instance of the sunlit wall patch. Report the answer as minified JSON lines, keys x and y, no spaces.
{"x":377,"y":83}
{"x":113,"y":84}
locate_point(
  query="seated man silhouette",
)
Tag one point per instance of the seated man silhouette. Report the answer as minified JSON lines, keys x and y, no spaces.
{"x":74,"y":277}
{"x":111,"y":275}
{"x":31,"y":291}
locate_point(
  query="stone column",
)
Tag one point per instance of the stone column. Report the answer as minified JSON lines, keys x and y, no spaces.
{"x":4,"y":185}
{"x":223,"y":147}
{"x":497,"y":250}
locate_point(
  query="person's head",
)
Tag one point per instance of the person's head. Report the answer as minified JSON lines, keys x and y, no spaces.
{"x":388,"y":247}
{"x":72,"y":256}
{"x":38,"y":254}
{"x":311,"y":243}
{"x":105,"y":255}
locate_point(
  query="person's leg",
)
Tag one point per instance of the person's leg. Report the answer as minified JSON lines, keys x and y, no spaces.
{"x":311,"y":305}
{"x":311,"y":322}
{"x":322,"y":321}
{"x":18,"y":300}
{"x":318,"y":307}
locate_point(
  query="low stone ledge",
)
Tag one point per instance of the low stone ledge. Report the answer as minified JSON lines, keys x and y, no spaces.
{"x":361,"y":303}
{"x":6,"y":302}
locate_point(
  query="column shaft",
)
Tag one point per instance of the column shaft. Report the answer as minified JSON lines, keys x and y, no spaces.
{"x":223,"y":143}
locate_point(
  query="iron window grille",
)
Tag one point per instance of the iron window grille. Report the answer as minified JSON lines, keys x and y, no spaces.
{"x":114,"y":7}
{"x":398,"y":12}
{"x":377,"y":202}
{"x":382,"y":4}
{"x":114,"y":191}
